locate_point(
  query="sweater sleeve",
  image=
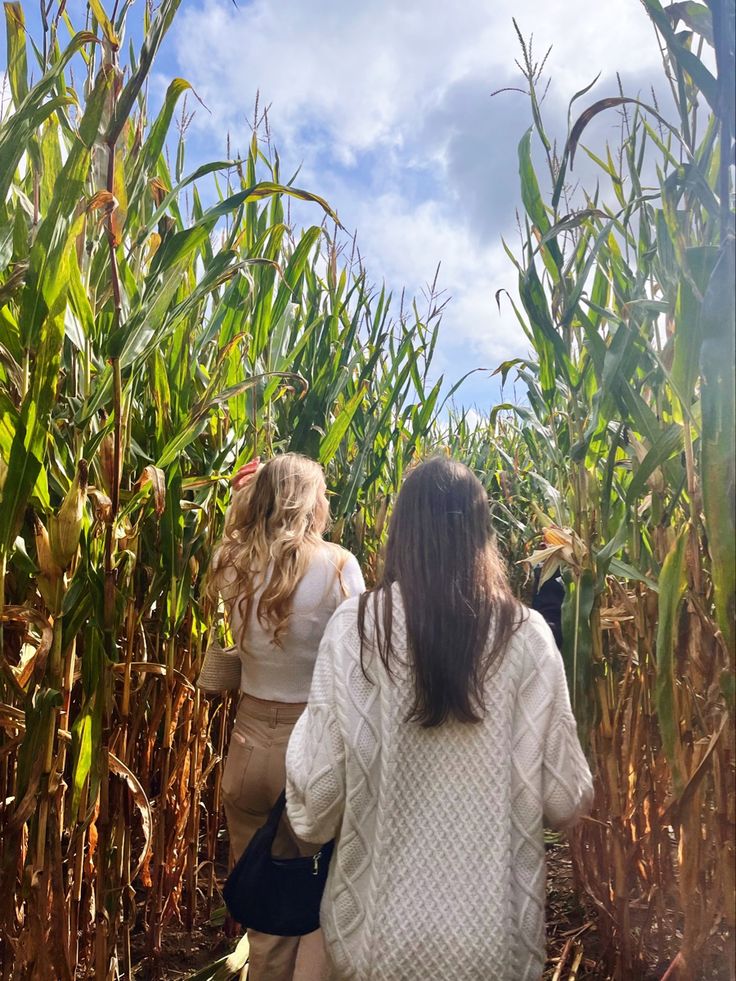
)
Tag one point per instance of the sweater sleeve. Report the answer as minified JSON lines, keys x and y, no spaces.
{"x":567,"y":787}
{"x":315,"y":758}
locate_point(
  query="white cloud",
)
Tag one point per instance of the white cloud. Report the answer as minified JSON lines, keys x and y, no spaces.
{"x":366,"y":74}
{"x":408,"y":243}
{"x":388,"y":108}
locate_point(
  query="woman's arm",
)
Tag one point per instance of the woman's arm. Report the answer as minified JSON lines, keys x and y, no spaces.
{"x":567,"y":787}
{"x":351,"y":578}
{"x":315,"y":758}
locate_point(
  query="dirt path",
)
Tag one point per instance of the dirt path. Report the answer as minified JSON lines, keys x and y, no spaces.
{"x":572,"y":940}
{"x":574,"y":947}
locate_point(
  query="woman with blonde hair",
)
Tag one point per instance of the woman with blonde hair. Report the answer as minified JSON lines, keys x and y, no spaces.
{"x":438,"y":738}
{"x":280,"y":582}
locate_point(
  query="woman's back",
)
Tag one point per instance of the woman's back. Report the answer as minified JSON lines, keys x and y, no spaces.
{"x":283,"y":671}
{"x":443,"y":830}
{"x":439,"y":868}
{"x":437,"y":734}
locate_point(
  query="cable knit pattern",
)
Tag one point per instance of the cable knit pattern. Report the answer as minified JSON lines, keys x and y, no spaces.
{"x":439,"y":866}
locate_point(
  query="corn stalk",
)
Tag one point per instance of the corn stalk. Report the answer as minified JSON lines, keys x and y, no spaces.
{"x":159,"y":327}
{"x":626,"y":295}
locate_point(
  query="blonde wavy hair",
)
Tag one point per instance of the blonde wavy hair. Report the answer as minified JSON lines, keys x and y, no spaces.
{"x":275,"y":521}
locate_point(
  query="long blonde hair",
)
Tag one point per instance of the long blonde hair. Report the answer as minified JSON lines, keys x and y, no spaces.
{"x":275,"y":521}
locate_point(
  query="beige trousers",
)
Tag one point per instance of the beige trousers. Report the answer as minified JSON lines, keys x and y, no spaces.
{"x":254,"y":776}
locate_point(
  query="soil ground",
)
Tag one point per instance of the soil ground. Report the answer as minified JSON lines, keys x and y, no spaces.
{"x":574,"y":947}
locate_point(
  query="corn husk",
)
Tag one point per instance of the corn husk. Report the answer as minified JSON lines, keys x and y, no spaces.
{"x":50,"y":576}
{"x":65,"y":527}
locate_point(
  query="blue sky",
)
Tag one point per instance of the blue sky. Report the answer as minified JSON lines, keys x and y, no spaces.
{"x":387,"y":109}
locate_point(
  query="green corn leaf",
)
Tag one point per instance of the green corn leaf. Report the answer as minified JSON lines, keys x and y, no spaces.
{"x":17,"y":62}
{"x":152,"y":42}
{"x":104,"y":21}
{"x":530,"y":192}
{"x":18,"y":131}
{"x":548,"y":343}
{"x":44,"y":284}
{"x":560,"y":181}
{"x":294,"y":271}
{"x":77,"y":608}
{"x":577,"y":640}
{"x":718,"y":401}
{"x":257,"y":192}
{"x":24,"y":463}
{"x":573,"y":298}
{"x":331,"y":441}
{"x":590,"y":113}
{"x":605,"y":555}
{"x":82,"y":749}
{"x":81,"y":313}
{"x":42,"y":317}
{"x":154,"y":143}
{"x":625,"y":571}
{"x":39,"y":716}
{"x":198,"y":420}
{"x":668,"y":444}
{"x":688,"y":330}
{"x":696,"y":15}
{"x":681,"y":56}
{"x":534,"y":205}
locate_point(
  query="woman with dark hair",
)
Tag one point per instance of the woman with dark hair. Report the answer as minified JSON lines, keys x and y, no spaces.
{"x":438,"y":737}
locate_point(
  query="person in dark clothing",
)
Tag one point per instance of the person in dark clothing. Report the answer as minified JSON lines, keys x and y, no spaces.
{"x":548,"y":601}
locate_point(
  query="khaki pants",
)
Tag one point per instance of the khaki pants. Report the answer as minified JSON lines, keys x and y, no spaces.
{"x":254,"y":776}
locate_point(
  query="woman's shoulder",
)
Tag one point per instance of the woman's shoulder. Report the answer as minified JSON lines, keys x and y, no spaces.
{"x":330,"y":553}
{"x":536,"y":642}
{"x":340,"y":568}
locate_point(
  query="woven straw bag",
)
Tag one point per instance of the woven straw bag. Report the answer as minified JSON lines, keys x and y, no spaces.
{"x":220,"y":669}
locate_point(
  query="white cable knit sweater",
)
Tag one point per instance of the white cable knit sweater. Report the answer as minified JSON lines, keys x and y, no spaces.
{"x":439,"y":866}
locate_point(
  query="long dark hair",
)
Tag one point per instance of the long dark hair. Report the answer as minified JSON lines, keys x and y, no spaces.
{"x":460,"y":612}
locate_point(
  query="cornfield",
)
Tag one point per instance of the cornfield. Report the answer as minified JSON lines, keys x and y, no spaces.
{"x":161,"y":326}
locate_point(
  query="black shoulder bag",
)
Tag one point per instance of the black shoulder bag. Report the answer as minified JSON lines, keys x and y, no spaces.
{"x":280,"y":896}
